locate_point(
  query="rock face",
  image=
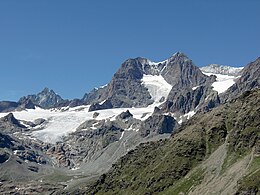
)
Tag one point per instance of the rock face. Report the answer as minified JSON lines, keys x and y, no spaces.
{"x":219,"y":69}
{"x":188,"y":99}
{"x":180,"y":72}
{"x":126,"y":88}
{"x":158,"y":124}
{"x":9,"y":124}
{"x":191,"y":88}
{"x":250,"y":79}
{"x":20,"y":149}
{"x":45,"y":99}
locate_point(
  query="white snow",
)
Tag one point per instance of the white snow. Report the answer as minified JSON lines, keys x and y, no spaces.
{"x":194,"y":88}
{"x":75,"y":168}
{"x":221,"y":69}
{"x":223,"y":82}
{"x":122,"y":135}
{"x":189,"y":114}
{"x":60,"y":122}
{"x":102,"y":102}
{"x":103,"y":86}
{"x":157,"y":63}
{"x":157,"y":86}
{"x":65,"y":120}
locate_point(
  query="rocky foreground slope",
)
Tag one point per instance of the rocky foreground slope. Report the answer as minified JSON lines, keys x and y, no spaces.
{"x":215,"y":152}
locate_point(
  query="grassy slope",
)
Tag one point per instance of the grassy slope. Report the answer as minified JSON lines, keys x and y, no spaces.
{"x":175,"y":165}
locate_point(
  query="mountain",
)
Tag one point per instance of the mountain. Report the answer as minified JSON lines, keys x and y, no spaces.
{"x":46,"y":98}
{"x":215,"y":151}
{"x":131,"y":86}
{"x":62,"y":144}
{"x":250,"y":79}
{"x":220,"y":69}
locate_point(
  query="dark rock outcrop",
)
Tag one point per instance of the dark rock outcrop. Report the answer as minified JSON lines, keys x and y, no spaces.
{"x":158,"y":124}
{"x":10,"y":124}
{"x":187,"y":99}
{"x":7,"y":106}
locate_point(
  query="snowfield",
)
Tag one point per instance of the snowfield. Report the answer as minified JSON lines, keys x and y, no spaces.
{"x":60,"y":123}
{"x":223,"y":82}
{"x":65,"y":120}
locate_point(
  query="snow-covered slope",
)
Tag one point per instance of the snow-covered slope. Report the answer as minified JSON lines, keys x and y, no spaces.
{"x":226,"y":75}
{"x":223,"y":82}
{"x":157,"y":87}
{"x":60,"y":123}
{"x":65,"y":120}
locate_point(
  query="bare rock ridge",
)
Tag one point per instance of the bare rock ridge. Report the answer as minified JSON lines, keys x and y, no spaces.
{"x":46,"y":98}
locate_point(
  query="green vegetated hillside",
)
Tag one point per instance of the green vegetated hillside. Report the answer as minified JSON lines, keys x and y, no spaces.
{"x":213,"y":153}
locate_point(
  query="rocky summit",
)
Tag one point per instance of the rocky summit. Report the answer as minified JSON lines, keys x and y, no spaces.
{"x":46,"y":98}
{"x":165,"y":127}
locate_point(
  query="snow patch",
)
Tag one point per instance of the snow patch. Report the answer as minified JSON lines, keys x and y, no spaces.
{"x":194,"y":88}
{"x":189,"y":114}
{"x":157,"y":86}
{"x":122,"y":135}
{"x":102,"y":102}
{"x":223,"y":82}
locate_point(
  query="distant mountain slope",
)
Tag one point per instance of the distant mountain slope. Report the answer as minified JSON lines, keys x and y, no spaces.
{"x":227,"y":138}
{"x":46,"y":98}
{"x":6,"y":106}
{"x":220,"y":69}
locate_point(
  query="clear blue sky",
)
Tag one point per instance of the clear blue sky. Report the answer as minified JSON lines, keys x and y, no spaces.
{"x":74,"y":46}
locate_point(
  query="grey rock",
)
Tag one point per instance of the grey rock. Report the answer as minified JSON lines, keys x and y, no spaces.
{"x":180,"y":72}
{"x":7,"y":106}
{"x":158,"y":124}
{"x":126,"y":89}
{"x":125,"y":115}
{"x":186,"y":100}
{"x":250,"y":79}
{"x":4,"y":156}
{"x":10,"y":124}
{"x":46,"y":99}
